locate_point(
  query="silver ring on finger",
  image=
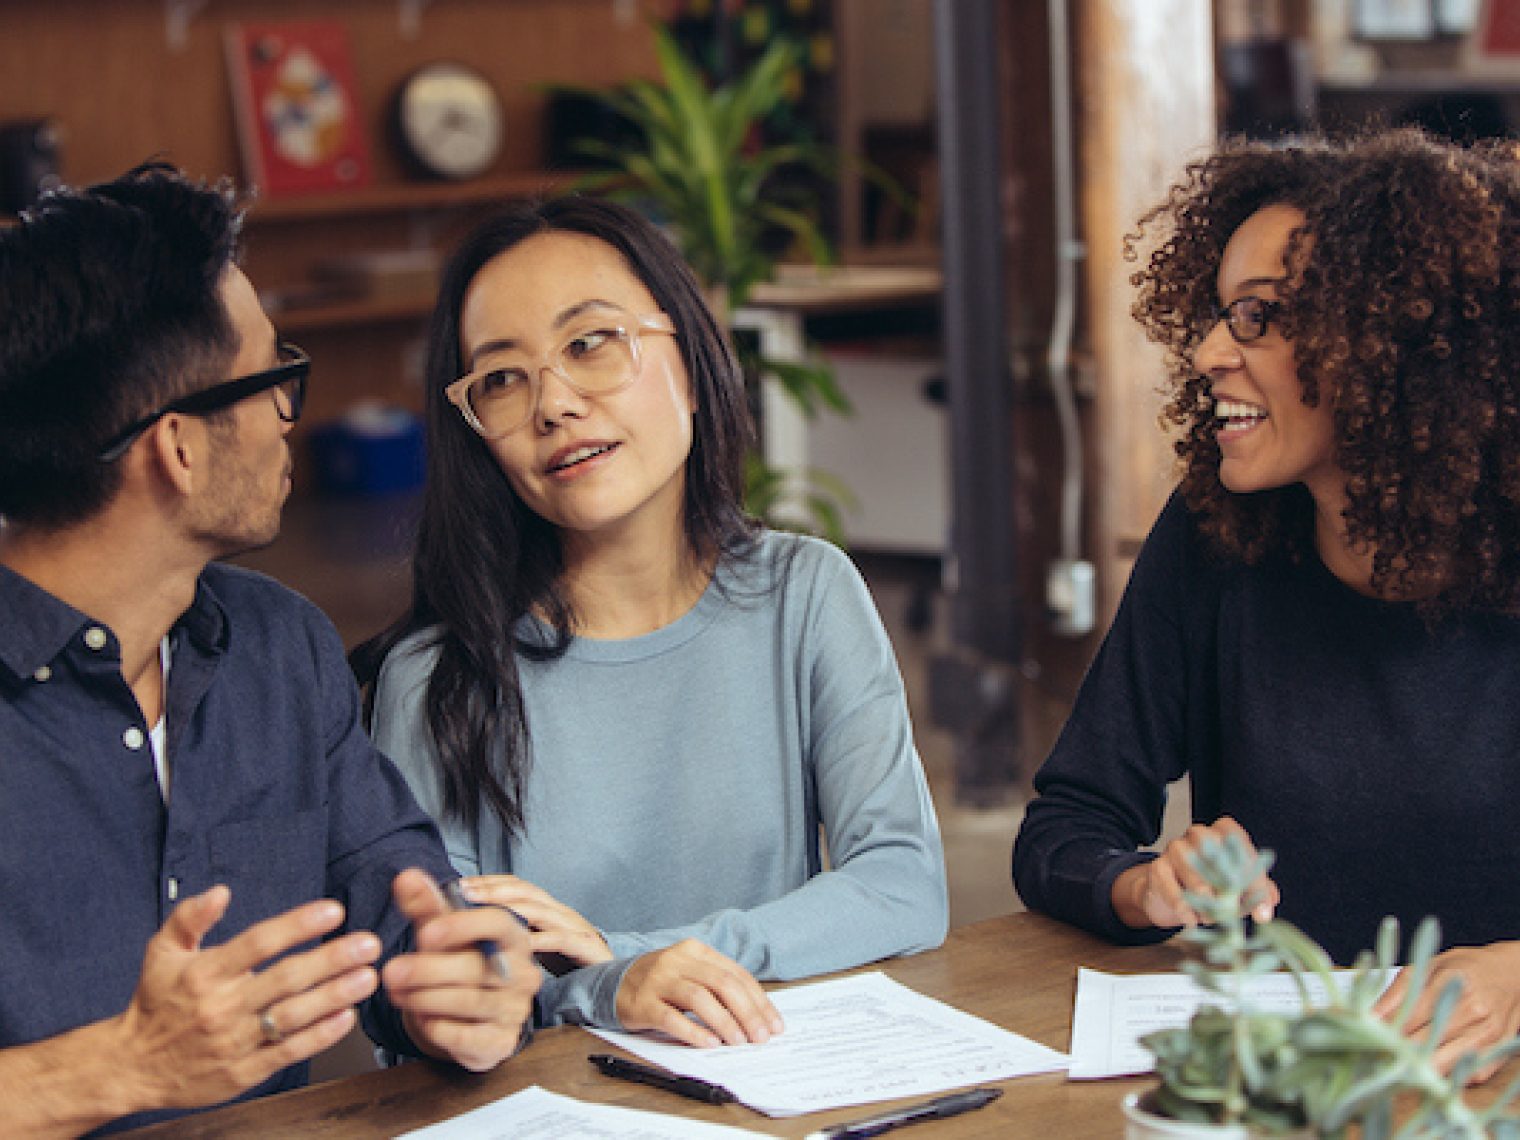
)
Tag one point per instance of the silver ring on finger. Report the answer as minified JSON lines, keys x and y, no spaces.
{"x":269,"y":1029}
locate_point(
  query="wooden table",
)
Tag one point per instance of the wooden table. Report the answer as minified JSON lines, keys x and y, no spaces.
{"x":1018,"y":971}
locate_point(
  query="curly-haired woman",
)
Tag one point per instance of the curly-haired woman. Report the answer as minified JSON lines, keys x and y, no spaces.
{"x":1321,"y":630}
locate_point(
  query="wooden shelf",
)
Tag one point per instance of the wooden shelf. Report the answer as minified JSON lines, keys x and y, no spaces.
{"x":375,"y":204}
{"x":811,"y":289}
{"x":407,"y":196}
{"x":347,"y":314}
{"x":1423,"y":82}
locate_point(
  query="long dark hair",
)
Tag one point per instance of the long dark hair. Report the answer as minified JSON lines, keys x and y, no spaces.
{"x":483,"y":560}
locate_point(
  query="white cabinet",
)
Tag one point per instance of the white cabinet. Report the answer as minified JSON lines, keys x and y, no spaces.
{"x":892,"y":453}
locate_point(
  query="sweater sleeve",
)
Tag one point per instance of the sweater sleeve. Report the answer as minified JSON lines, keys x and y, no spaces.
{"x":400,"y":731}
{"x":586,"y":996}
{"x":883,"y":891}
{"x":1102,"y":791}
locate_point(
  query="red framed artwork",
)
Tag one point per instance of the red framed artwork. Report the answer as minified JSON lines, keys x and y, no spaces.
{"x":298,"y":123}
{"x":1494,"y":45}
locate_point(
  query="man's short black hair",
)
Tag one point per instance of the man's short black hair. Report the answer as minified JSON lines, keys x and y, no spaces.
{"x":112,"y":306}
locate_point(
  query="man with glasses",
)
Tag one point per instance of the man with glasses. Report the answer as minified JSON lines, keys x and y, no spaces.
{"x":205,"y":867}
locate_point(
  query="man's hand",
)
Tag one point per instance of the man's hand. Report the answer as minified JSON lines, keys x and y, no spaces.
{"x":203,"y":1026}
{"x":661,"y":987}
{"x":1487,"y":1013}
{"x":557,"y":928}
{"x":452,"y":1001}
{"x":1150,"y":894}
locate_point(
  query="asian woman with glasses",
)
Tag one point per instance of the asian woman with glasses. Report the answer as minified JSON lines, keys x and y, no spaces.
{"x":675,"y":742}
{"x":1321,"y":630}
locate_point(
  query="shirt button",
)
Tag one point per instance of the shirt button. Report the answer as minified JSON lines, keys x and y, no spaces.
{"x":133,"y":738}
{"x":171,"y":888}
{"x":43,"y":673}
{"x":95,"y":637}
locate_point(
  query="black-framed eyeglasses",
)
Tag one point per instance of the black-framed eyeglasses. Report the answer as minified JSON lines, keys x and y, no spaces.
{"x":287,"y":379}
{"x":1247,"y":318}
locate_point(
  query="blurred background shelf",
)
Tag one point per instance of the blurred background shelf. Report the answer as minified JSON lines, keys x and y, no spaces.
{"x":410,"y":196}
{"x":350,"y":314}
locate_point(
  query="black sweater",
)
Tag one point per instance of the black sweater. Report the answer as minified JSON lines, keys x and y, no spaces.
{"x":1379,"y":758}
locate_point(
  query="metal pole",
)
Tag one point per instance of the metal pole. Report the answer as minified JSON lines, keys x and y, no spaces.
{"x":975,"y":687}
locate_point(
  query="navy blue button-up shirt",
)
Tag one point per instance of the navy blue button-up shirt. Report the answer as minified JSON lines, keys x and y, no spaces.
{"x":274,"y":790}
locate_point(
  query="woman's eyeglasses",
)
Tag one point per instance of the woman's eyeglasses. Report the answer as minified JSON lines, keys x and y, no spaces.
{"x":600,"y":356}
{"x":287,"y":379}
{"x":1247,"y":318}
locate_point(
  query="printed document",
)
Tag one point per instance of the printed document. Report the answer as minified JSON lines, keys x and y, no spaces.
{"x":1113,"y":1011}
{"x":537,"y":1114}
{"x":853,"y":1041}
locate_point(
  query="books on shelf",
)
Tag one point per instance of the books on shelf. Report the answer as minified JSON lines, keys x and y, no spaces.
{"x":293,"y":94}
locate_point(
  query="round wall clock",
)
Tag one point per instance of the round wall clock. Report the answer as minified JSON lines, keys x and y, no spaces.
{"x":448,"y":119}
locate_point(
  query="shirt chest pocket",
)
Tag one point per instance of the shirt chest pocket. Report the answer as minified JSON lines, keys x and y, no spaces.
{"x":271,"y":863}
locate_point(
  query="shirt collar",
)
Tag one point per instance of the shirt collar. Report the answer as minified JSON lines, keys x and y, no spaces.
{"x":36,"y":626}
{"x":206,"y":621}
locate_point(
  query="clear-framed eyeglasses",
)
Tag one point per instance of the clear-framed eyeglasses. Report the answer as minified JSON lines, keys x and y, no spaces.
{"x":601,"y":353}
{"x":1247,"y":318}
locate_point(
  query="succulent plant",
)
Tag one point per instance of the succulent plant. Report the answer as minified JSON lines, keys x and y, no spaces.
{"x":1334,"y":1064}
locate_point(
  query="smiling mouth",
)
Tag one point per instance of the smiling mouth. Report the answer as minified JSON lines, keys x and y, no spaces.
{"x":1237,"y":416}
{"x":580,"y":455}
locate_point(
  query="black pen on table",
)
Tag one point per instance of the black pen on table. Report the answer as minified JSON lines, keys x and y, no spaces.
{"x":936,"y":1109}
{"x":490,"y":949}
{"x":693,"y":1087}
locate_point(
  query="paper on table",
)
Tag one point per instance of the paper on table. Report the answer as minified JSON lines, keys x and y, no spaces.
{"x":853,"y":1041}
{"x":537,"y":1114}
{"x":1113,"y":1011}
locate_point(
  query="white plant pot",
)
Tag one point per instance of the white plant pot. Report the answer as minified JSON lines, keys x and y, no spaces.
{"x":1142,"y":1124}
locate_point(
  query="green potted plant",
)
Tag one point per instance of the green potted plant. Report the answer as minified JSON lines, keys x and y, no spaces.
{"x":699,"y":160}
{"x":699,"y":163}
{"x":1237,"y":1072}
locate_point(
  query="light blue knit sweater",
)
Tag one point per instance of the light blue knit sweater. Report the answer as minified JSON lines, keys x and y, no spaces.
{"x":745,"y":776}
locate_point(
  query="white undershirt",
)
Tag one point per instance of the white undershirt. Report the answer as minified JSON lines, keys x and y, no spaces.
{"x":158,"y":734}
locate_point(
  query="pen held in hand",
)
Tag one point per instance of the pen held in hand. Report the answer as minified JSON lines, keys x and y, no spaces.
{"x":693,"y":1087}
{"x":936,"y":1109}
{"x":490,"y":949}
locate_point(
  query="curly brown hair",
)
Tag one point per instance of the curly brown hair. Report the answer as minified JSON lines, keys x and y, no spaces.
{"x":1402,"y":311}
